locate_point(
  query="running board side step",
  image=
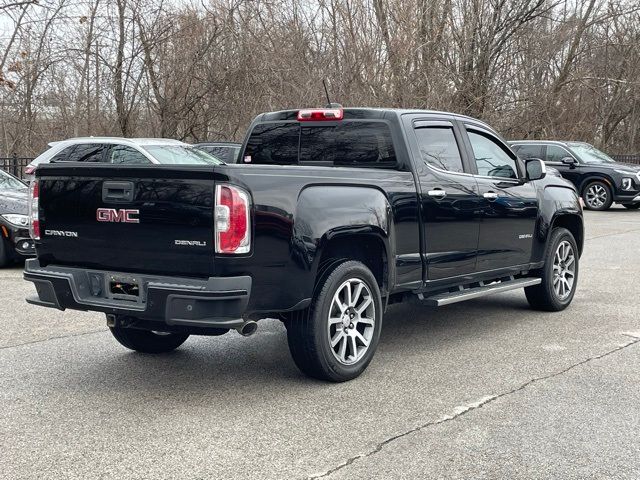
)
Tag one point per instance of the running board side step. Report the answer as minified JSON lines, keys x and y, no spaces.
{"x":482,"y":290}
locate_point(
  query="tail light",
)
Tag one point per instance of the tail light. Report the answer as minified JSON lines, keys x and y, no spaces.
{"x":34,"y":203}
{"x":29,"y":169}
{"x":318,"y":115}
{"x":232,"y":221}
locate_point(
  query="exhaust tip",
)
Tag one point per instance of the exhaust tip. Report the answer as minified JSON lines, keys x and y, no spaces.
{"x":248,"y":328}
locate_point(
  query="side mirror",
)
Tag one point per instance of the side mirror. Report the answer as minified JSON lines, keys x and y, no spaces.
{"x":569,"y":161}
{"x":536,"y":169}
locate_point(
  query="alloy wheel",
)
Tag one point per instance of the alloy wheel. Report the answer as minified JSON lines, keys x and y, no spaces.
{"x":351,"y":321}
{"x":597,"y":196}
{"x":564,"y":270}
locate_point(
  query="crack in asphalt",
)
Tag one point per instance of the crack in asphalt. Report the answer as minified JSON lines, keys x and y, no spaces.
{"x":460,"y":411}
{"x":52,"y":338}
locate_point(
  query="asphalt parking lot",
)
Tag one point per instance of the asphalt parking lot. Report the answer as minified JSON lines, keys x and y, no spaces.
{"x":486,"y":389}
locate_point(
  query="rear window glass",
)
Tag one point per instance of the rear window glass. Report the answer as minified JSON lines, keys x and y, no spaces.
{"x":273,"y":144}
{"x":350,"y":144}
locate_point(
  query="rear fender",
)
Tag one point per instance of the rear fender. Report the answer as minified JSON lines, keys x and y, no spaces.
{"x":326,"y":214}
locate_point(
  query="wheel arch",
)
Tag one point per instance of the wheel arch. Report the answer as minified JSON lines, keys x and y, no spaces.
{"x":601,"y":177}
{"x":369,"y":248}
{"x":573,"y":223}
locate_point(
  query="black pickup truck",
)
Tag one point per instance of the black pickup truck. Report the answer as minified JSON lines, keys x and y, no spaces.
{"x":331,"y":216}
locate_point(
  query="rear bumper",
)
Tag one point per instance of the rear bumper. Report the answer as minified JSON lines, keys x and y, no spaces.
{"x":217,"y":302}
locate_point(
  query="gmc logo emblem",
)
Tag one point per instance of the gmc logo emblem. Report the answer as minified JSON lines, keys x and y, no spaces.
{"x":121,"y":215}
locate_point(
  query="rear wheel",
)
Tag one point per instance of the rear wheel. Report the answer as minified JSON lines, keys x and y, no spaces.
{"x":146,"y":341}
{"x":631,"y":206}
{"x":336,"y":337}
{"x":559,"y":274}
{"x":597,"y":196}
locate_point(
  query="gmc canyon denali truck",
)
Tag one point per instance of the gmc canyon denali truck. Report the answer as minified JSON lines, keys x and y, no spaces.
{"x":331,"y":216}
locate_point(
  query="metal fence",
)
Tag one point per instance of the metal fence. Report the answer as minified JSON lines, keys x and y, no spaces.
{"x":15,"y":165}
{"x":627,"y":158}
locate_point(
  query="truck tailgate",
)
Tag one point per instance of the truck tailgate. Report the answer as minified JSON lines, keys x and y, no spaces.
{"x":146,"y":219}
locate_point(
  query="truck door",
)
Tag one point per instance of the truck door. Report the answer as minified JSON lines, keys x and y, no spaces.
{"x":509,"y":205}
{"x":448,"y":197}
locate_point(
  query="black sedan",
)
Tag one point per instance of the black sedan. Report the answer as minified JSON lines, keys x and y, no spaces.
{"x":15,"y":242}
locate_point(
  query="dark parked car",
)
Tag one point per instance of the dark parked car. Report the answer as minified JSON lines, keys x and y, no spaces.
{"x":600,"y":180}
{"x":228,"y":152}
{"x":335,"y":215}
{"x":15,"y":242}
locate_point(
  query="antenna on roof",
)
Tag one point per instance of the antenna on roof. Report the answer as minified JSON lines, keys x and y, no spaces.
{"x":326,"y":92}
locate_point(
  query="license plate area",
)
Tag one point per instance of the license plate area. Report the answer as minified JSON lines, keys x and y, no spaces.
{"x":127,"y":288}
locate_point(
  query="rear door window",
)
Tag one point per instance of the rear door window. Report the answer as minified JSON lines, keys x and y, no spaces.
{"x":438,"y":148}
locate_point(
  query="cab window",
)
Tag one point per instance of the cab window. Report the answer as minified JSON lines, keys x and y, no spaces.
{"x":491,"y":159}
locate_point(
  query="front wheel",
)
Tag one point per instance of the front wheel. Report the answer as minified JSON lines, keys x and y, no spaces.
{"x":631,"y":206}
{"x":559,"y":274}
{"x":146,"y":341}
{"x":336,"y":337}
{"x":597,"y":196}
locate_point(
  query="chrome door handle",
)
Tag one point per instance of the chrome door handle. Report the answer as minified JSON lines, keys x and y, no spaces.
{"x":437,"y":192}
{"x":490,"y":195}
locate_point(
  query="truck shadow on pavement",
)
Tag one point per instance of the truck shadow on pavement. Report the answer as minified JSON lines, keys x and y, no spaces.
{"x":232,"y":362}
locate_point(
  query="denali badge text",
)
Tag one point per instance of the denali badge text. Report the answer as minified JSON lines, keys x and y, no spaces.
{"x":191,"y":243}
{"x":121,"y":215}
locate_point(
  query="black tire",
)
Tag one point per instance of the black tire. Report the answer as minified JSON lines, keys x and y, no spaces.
{"x":4,"y":254}
{"x":308,"y":331}
{"x":146,"y":341}
{"x":607,"y":196}
{"x":631,"y":206}
{"x":544,"y":296}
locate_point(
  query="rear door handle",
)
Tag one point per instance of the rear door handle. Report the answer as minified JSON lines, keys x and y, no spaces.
{"x":117,"y":191}
{"x":437,"y":193}
{"x":490,"y":195}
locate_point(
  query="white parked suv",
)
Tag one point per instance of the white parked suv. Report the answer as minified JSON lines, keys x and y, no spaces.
{"x":118,"y":150}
